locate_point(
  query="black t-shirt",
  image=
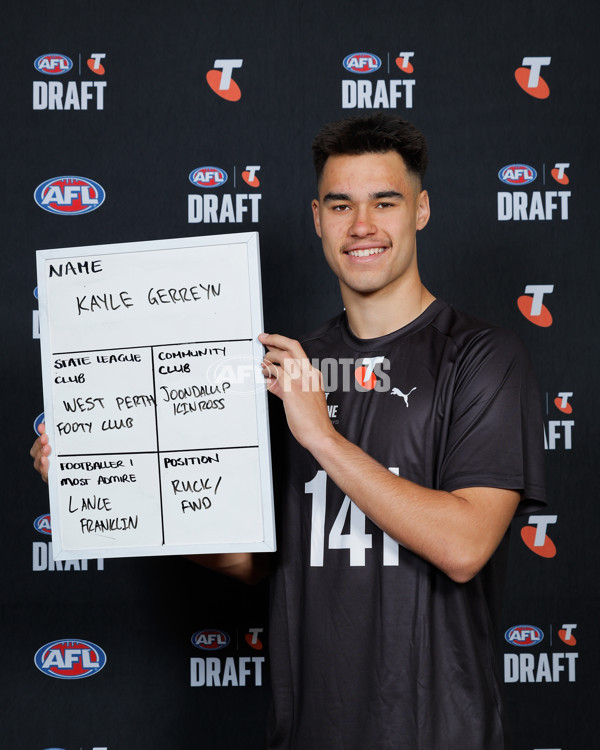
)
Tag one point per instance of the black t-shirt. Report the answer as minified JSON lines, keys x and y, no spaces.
{"x":372,"y":646}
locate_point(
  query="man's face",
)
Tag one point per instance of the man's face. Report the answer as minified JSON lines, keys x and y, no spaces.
{"x":368,"y":212}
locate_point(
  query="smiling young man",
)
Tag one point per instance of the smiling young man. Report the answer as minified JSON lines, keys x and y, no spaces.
{"x":393,"y":530}
{"x":393,"y":522}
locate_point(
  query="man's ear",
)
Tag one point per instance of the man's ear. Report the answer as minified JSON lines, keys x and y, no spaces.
{"x":423,"y":211}
{"x":316,"y":218}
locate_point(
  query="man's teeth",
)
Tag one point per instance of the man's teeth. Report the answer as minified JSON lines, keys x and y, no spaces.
{"x":366,"y":251}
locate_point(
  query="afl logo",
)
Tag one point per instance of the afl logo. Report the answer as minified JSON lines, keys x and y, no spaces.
{"x":524,"y":635}
{"x":517,"y":174}
{"x":40,"y":419}
{"x":53,"y":64}
{"x":208,"y":177}
{"x":70,"y":659}
{"x":42,"y":524}
{"x":210,"y":640}
{"x":69,"y":195}
{"x":362,"y":62}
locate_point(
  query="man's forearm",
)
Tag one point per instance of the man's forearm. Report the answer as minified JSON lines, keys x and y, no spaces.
{"x":456,"y":531}
{"x":249,"y":567}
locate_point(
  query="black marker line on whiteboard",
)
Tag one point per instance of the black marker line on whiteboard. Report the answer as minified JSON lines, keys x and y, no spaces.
{"x":204,"y":449}
{"x":114,"y":453}
{"x":162,"y":515}
{"x":126,"y":348}
{"x":211,"y":448}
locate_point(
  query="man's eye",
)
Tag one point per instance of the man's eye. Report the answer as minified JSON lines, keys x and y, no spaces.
{"x":384,"y":204}
{"x":341,"y":207}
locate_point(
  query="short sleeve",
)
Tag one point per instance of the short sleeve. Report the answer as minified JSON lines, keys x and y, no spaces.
{"x":495,"y":436}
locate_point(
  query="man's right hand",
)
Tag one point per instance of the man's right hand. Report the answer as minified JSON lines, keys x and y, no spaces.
{"x":40,"y":451}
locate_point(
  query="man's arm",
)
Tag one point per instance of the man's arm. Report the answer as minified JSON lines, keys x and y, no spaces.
{"x":249,"y":567}
{"x":455,"y":531}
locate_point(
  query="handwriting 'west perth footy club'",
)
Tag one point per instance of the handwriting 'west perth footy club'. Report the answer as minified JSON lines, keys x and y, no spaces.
{"x":536,"y":205}
{"x":72,"y":92}
{"x":376,"y":82}
{"x":224,"y":207}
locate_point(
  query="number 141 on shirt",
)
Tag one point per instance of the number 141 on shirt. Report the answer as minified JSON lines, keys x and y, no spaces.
{"x":356,"y":541}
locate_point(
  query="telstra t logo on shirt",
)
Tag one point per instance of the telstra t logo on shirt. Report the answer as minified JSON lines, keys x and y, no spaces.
{"x":221,"y":82}
{"x":365,"y":373}
{"x":529,"y":79}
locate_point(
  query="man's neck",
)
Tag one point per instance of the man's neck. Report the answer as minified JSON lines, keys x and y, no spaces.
{"x":385,"y":311}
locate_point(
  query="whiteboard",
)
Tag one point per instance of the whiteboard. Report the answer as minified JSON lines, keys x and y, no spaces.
{"x":155,"y":404}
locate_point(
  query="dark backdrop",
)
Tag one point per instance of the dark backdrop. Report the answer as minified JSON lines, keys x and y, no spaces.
{"x":157,"y":119}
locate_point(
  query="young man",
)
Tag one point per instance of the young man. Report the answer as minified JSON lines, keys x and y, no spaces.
{"x":393,"y":524}
{"x":393,"y":529}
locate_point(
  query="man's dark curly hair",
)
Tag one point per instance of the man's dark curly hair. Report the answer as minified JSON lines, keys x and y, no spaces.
{"x":373,"y":134}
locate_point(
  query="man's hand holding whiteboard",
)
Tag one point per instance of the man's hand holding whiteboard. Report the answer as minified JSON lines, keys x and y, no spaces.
{"x":155,"y":403}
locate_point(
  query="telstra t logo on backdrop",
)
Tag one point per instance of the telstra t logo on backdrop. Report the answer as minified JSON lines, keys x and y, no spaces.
{"x":221,"y":82}
{"x":533,"y":308}
{"x":529,"y":79}
{"x":562,"y":402}
{"x":535,"y":537}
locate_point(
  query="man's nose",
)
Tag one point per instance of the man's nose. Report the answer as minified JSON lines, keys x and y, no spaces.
{"x":362,"y":225}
